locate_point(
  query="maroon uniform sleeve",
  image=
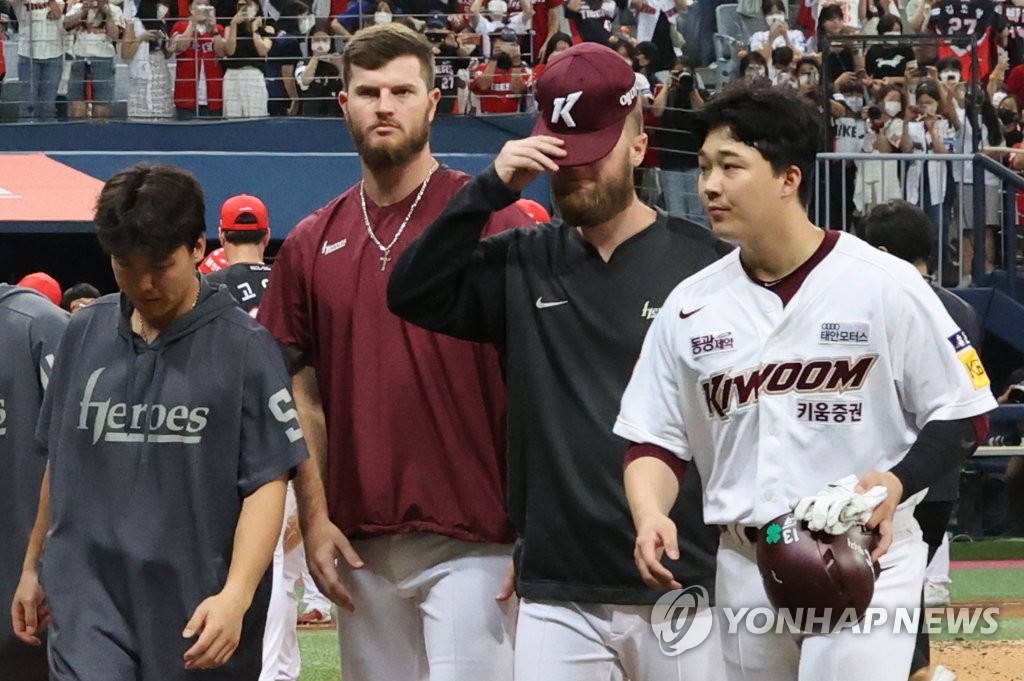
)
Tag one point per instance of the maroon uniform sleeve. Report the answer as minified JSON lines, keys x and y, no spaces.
{"x":285,"y":308}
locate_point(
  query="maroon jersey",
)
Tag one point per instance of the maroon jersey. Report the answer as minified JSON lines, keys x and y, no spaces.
{"x":415,"y":420}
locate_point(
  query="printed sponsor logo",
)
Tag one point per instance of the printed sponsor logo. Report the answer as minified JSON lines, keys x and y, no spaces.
{"x":711,"y":343}
{"x":649,"y":312}
{"x":842,"y":333}
{"x":327,"y":248}
{"x":727,"y":392}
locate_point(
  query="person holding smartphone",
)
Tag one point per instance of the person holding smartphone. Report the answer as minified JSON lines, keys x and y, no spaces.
{"x":198,"y":42}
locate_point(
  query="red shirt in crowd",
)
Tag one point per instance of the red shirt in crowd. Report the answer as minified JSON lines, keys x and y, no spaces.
{"x":199,"y":54}
{"x":415,"y":419}
{"x":498,"y":97}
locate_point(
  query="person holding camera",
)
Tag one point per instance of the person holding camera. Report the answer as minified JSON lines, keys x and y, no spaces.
{"x":778,"y":33}
{"x":883,"y":134}
{"x":95,"y":27}
{"x":246,"y":46}
{"x":319,"y":77}
{"x":504,"y":80}
{"x":926,"y":130}
{"x":199,"y":44}
{"x":146,"y":49}
{"x":677,"y":105}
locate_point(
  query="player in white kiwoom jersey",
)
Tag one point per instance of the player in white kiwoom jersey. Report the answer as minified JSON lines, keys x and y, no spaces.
{"x":803,"y":357}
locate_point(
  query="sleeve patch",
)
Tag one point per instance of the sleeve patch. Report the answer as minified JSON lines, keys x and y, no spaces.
{"x":970,"y":359}
{"x":960,"y":342}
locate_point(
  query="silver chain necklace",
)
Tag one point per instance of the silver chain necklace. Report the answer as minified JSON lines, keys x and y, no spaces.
{"x":386,"y":250}
{"x":142,"y":322}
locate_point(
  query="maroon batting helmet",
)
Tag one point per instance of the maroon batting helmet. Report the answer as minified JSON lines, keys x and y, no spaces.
{"x":803,"y":571}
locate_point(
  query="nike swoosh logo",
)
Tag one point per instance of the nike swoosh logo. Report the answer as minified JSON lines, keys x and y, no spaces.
{"x":684,"y":315}
{"x":541,"y":304}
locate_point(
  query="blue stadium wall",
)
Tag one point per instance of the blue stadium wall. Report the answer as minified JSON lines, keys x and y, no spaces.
{"x":295,"y":165}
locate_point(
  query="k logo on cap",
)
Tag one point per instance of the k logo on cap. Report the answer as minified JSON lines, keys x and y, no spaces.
{"x":585,"y":95}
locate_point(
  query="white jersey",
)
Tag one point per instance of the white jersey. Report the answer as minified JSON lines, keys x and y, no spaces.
{"x":772,"y":402}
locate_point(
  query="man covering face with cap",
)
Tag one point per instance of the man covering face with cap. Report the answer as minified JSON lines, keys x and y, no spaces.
{"x":567,"y":305}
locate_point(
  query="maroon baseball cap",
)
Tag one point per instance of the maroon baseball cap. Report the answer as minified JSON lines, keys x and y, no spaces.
{"x":585,"y":95}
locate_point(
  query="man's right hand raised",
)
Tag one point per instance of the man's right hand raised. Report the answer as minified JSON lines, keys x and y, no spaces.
{"x":522,"y":161}
{"x":325,"y":546}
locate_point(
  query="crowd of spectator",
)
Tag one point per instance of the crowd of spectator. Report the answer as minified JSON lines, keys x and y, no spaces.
{"x":854,"y":60}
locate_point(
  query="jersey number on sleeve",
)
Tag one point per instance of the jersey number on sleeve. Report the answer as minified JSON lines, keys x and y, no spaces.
{"x":281,"y":406}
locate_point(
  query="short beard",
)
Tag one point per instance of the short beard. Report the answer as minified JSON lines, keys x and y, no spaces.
{"x":387,"y":156}
{"x":597,"y":205}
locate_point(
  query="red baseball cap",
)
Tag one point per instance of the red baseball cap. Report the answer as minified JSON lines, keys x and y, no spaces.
{"x":244,"y":204}
{"x":45,"y":284}
{"x":216,"y":260}
{"x":585,"y":95}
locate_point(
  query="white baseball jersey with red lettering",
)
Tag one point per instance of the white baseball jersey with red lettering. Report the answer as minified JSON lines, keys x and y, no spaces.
{"x":773,"y":402}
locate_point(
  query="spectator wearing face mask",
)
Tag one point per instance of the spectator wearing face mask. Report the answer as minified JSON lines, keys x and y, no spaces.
{"x":927,"y":130}
{"x":1008,"y":112}
{"x":319,"y":77}
{"x":285,"y":54}
{"x":503,"y":82}
{"x":880,"y":179}
{"x":246,"y":47}
{"x":198,"y":43}
{"x":497,"y":19}
{"x":887,"y":63}
{"x":146,"y":49}
{"x":847,"y":129}
{"x":754,"y":68}
{"x":778,"y":34}
{"x":590,"y":21}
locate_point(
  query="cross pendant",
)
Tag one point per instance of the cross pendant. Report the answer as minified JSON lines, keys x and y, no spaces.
{"x":385,"y":259}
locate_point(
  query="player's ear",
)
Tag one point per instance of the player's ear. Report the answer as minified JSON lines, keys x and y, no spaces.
{"x":343,"y":102}
{"x":434,"y":95}
{"x":791,"y":179}
{"x":198,"y":249}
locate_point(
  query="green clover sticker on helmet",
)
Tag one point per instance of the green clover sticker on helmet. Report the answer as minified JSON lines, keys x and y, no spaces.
{"x":773,"y":534}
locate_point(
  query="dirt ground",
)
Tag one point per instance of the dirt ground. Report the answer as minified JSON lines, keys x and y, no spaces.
{"x":983,"y":660}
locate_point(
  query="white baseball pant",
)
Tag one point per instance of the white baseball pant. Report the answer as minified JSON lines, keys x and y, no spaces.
{"x":568,"y":641}
{"x":281,"y":661}
{"x":425,"y":609}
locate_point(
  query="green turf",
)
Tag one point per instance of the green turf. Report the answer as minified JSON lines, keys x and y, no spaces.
{"x":988,"y":549}
{"x":319,"y":651}
{"x":987,"y":585}
{"x":1008,"y":630}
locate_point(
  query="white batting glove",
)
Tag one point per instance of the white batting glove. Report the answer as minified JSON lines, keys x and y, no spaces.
{"x":837,"y":508}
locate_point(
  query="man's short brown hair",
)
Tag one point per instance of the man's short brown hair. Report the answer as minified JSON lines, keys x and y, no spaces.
{"x":374,"y":46}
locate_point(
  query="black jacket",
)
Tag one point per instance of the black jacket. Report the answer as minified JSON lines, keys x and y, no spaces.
{"x":569,"y":327}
